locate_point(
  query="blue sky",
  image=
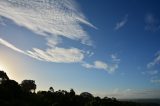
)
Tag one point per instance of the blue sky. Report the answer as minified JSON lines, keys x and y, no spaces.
{"x":108,"y":47}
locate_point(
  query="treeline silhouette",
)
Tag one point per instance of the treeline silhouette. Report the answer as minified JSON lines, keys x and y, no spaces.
{"x":14,"y":94}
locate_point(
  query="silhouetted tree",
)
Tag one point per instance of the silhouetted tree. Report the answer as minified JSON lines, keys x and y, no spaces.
{"x":86,"y":95}
{"x":3,"y":76}
{"x":72,"y":92}
{"x":51,"y":89}
{"x":12,"y":94}
{"x":11,"y":88}
{"x":28,"y":85}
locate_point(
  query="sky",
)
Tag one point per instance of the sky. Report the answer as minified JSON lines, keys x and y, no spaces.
{"x":105,"y":47}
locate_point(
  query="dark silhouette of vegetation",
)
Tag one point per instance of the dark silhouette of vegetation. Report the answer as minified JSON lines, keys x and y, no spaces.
{"x":14,"y":94}
{"x":28,"y":85}
{"x":3,"y":76}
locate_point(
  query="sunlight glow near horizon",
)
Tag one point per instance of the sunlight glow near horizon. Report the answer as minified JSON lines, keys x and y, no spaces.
{"x":3,"y":68}
{"x":8,"y":68}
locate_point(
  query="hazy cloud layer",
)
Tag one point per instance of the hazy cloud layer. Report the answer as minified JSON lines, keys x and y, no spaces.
{"x":136,"y":94}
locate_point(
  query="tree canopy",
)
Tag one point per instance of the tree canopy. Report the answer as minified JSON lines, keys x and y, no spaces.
{"x":28,"y":85}
{"x":3,"y":76}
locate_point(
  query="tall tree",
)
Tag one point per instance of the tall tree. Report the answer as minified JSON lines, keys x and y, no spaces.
{"x":28,"y":85}
{"x":3,"y":76}
{"x":72,"y":92}
{"x":51,"y":89}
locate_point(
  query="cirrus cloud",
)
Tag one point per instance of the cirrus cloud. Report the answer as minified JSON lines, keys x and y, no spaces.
{"x":51,"y":19}
{"x":57,"y":55}
{"x":56,"y":17}
{"x":9,"y":45}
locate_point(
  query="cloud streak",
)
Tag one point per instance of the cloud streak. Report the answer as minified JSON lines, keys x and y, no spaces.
{"x":121,"y":23}
{"x":136,"y":94}
{"x":9,"y":45}
{"x":155,"y":62}
{"x":153,"y":70}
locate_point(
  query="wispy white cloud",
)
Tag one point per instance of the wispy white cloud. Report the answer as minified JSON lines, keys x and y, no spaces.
{"x":152,"y":69}
{"x":9,"y":45}
{"x":156,"y":61}
{"x":115,"y":58}
{"x":110,"y":68}
{"x":121,"y":23}
{"x":58,"y":55}
{"x":152,"y":23}
{"x":155,"y":79}
{"x":90,"y":53}
{"x":51,"y":19}
{"x":150,"y":72}
{"x":57,"y":17}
